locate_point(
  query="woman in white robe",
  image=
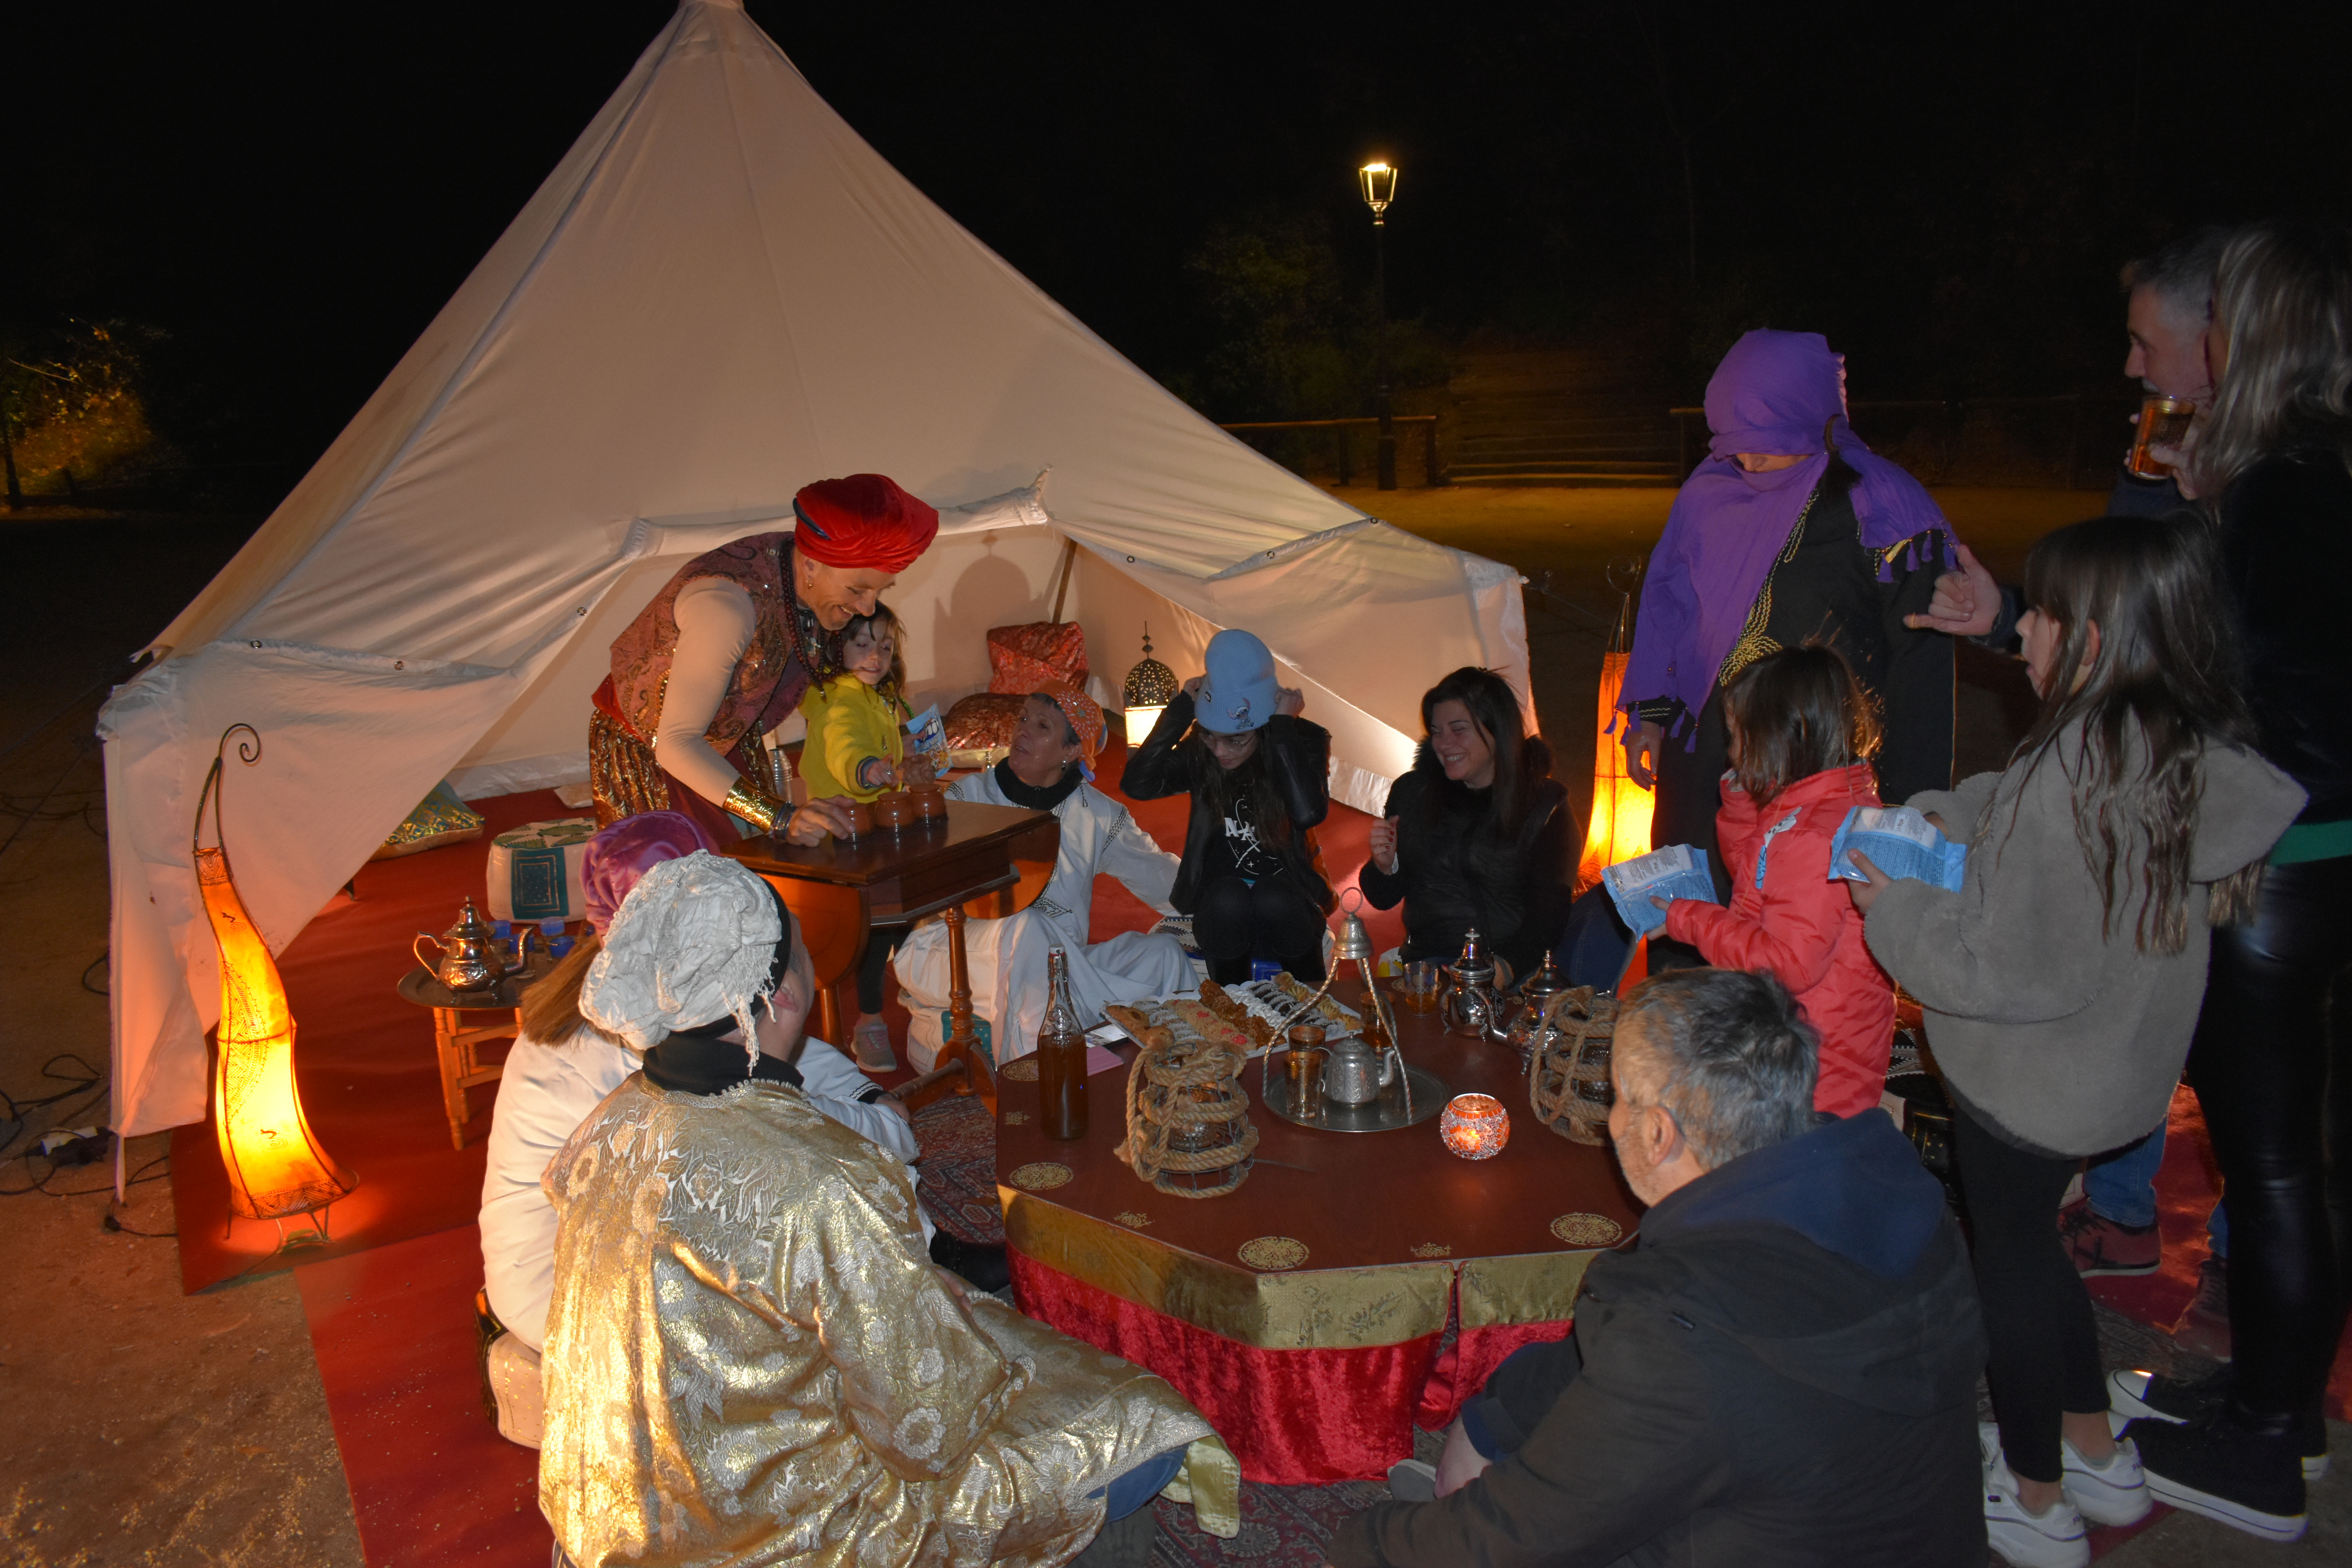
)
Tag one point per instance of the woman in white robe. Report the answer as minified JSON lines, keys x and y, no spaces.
{"x":1052,"y":754}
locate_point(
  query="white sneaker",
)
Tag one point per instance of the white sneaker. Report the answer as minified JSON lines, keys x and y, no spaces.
{"x":2051,"y":1540}
{"x":2112,"y":1493}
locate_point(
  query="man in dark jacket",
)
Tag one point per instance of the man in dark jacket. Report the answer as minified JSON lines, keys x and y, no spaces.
{"x":1783,"y":1373}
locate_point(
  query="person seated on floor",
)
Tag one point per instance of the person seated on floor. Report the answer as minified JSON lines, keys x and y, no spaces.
{"x":1478,"y":833}
{"x":749,"y":1356}
{"x":1784,"y":1371}
{"x":1051,"y":764}
{"x":561,"y":1066}
{"x":1258,"y":775}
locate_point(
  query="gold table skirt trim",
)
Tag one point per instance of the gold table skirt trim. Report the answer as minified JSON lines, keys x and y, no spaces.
{"x":1307,"y":1308}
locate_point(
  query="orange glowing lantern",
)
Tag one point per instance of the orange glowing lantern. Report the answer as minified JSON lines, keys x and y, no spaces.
{"x":1619,"y":827}
{"x":276,"y":1168}
{"x":1475,"y":1126}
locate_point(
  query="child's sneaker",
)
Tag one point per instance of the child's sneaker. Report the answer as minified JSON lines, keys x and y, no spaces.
{"x":2051,"y":1540}
{"x":2099,"y":1246}
{"x":2113,"y":1493}
{"x":870,"y":1042}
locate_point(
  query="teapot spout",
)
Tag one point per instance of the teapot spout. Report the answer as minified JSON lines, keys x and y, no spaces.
{"x":523,"y":950}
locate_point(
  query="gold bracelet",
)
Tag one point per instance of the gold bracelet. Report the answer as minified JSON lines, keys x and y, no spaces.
{"x":763,"y":811}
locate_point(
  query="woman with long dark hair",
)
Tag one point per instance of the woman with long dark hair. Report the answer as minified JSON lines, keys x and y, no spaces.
{"x":2270,"y":1067}
{"x":1259,"y":778}
{"x":1477,"y":834}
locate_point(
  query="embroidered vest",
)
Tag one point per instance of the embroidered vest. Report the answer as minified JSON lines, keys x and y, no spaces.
{"x":771,"y":676}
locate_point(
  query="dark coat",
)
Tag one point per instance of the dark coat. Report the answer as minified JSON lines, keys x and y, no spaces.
{"x":1452,"y":875}
{"x":1784,"y":1373}
{"x":1296,"y":757}
{"x":2280,"y":519}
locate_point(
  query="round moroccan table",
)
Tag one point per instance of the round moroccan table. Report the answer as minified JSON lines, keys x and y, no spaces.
{"x":1304,"y":1314}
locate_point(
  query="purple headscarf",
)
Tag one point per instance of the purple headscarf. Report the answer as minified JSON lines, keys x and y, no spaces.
{"x":1781,"y":393}
{"x":625,"y":851}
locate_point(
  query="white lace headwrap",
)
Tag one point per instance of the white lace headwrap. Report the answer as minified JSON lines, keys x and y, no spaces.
{"x":694,"y":941}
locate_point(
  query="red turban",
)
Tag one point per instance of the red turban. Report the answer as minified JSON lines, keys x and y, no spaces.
{"x":864,"y":520}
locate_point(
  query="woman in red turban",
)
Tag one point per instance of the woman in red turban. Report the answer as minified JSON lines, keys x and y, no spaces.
{"x":725,"y":650}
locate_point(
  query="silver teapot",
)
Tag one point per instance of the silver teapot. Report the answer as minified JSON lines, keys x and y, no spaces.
{"x":1526,"y":1032}
{"x":1470,"y":1005}
{"x":470,"y":960}
{"x":1354,"y":1073}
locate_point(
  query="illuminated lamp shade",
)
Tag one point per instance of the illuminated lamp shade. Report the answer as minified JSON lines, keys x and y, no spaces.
{"x":1380,"y":180}
{"x":1150,"y":686}
{"x":276,"y":1167}
{"x":1475,"y":1126}
{"x":1619,"y":824}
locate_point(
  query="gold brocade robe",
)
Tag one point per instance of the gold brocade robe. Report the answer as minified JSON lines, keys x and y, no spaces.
{"x":750,"y":1359}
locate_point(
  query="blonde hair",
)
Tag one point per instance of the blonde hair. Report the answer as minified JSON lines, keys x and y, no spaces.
{"x":2281,"y":349}
{"x":551,"y":1006}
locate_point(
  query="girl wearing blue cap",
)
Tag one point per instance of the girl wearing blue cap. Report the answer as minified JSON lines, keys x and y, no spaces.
{"x":1259,"y":778}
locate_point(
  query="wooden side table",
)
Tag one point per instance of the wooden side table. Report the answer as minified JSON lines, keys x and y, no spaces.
{"x":985,"y":861}
{"x":456,"y":1041}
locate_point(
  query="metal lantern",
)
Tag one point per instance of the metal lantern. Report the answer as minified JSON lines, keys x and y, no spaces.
{"x":1380,"y":188}
{"x":1150,"y":686}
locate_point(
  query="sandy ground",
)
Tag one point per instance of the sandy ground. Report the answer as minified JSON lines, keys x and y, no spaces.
{"x":140,"y":1426}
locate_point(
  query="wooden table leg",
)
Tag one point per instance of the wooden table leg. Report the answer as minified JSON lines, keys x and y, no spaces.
{"x":963,"y":1041}
{"x":453,"y":1092}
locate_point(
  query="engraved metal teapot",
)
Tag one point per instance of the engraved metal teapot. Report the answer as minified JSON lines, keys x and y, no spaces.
{"x":1355,"y":1073}
{"x":1470,"y":1005}
{"x":1526,"y":1033}
{"x":469,"y":953}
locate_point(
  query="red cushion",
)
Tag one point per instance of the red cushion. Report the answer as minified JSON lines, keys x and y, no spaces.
{"x":1022,"y":658}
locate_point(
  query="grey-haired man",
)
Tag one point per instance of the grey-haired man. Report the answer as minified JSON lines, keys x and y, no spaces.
{"x":1784,"y":1371}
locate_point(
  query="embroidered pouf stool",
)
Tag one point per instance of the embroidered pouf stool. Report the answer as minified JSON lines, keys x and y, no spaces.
{"x":534,"y":871}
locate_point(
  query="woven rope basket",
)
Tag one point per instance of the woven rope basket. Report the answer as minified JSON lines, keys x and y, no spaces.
{"x":1188,"y":1128}
{"x":1568,"y":1078}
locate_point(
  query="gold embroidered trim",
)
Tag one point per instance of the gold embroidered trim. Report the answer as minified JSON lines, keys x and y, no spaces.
{"x":1021,"y":1072}
{"x":1272,"y":1253}
{"x":1753,"y":643}
{"x":621,"y":773}
{"x":1432,"y":1249}
{"x":1134,"y":1219}
{"x":1588,"y":1230}
{"x":1015,"y":1118}
{"x":1040,"y":1175}
{"x":1535,"y":1288}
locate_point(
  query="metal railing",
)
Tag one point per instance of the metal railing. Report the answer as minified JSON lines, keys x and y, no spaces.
{"x":1982,"y":439}
{"x":1432,"y":475}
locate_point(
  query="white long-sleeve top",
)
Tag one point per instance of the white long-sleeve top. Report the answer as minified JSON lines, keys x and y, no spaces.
{"x":715,"y":623}
{"x":545,"y":1093}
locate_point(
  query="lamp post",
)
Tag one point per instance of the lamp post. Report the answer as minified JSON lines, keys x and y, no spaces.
{"x":1380,"y":180}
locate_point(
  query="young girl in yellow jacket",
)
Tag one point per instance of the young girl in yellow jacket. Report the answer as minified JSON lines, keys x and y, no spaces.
{"x":854,"y":748}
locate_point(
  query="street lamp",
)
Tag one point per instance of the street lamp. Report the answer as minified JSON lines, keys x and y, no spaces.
{"x":1380,"y":181}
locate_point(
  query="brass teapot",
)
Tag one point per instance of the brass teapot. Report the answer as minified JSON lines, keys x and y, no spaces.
{"x":469,"y":953}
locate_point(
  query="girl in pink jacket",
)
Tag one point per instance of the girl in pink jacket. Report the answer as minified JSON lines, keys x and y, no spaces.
{"x":1801,"y":734}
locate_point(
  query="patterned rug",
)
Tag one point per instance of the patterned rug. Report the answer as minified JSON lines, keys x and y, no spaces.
{"x":956,"y":1176}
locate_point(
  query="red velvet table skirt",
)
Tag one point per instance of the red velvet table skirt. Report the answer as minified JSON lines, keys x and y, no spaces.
{"x":1292,"y":1418}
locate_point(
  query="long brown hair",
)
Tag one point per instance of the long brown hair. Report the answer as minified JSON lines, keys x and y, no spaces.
{"x":1522,"y":761}
{"x":1799,"y":711}
{"x":551,"y":1006}
{"x":2166,"y":675}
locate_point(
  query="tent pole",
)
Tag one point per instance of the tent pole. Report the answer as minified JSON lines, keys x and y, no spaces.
{"x":1069,"y":561}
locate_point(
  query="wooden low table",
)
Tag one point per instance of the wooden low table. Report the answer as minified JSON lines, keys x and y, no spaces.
{"x":979,"y":861}
{"x":1325,"y":1281}
{"x":457,"y":1042}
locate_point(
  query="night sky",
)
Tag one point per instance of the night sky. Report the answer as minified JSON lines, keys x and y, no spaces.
{"x":288,"y":193}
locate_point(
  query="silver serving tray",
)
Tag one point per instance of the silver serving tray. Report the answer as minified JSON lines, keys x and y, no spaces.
{"x":1429,"y":1097}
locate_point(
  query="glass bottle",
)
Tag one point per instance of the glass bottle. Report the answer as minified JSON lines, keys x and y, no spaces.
{"x":1061,"y":1057}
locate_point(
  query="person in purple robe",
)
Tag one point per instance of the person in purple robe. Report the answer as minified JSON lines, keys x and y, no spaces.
{"x":1791,"y":532}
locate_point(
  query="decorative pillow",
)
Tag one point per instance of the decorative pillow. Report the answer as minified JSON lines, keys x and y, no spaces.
{"x":1022,"y":658}
{"x":441,"y":818}
{"x":983,"y":722}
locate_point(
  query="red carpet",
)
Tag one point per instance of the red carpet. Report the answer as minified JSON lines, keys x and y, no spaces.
{"x":432,"y":1481}
{"x":366,"y":1061}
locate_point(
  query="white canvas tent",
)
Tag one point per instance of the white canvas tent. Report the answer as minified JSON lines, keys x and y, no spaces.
{"x":721,"y":294}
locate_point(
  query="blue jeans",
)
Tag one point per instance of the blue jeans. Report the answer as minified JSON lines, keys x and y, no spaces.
{"x":2122,"y":1187}
{"x":1139,"y":1486}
